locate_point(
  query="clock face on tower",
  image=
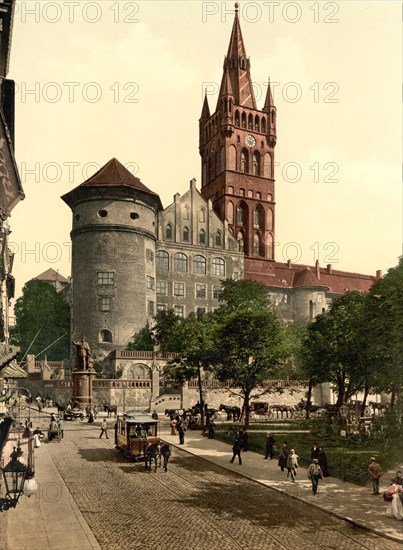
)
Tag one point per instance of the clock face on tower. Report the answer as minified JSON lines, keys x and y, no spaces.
{"x":250,"y":140}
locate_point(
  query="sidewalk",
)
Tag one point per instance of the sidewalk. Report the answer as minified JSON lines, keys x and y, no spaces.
{"x":347,"y":501}
{"x":50,"y":520}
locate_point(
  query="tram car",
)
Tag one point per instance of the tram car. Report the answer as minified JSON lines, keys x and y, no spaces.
{"x":134,"y":432}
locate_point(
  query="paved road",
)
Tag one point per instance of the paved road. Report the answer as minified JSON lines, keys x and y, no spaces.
{"x":195,"y":505}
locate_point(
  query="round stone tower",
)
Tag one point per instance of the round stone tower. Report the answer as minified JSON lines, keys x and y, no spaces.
{"x":113,"y":257}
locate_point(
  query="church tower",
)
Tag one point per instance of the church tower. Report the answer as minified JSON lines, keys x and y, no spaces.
{"x":236,"y":145}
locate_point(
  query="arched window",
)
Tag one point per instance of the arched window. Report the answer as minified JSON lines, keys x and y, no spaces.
{"x":202,"y":236}
{"x":232,"y":157}
{"x":199,"y":265}
{"x":257,"y":124}
{"x":256,"y":163}
{"x":185,"y":212}
{"x":255,"y":218}
{"x":162,"y":260}
{"x":180,"y":262}
{"x":230,"y":190}
{"x":269,"y":246}
{"x":256,"y":245}
{"x":239,"y":215}
{"x":268,"y":161}
{"x":106,"y":335}
{"x":250,"y":122}
{"x":243,"y":120}
{"x":230,"y":213}
{"x":241,"y":241}
{"x":263,"y":125}
{"x":185,"y":234}
{"x":269,"y":197}
{"x":168,"y":231}
{"x":244,"y":161}
{"x":202,"y":215}
{"x":222,"y":159}
{"x":218,"y":239}
{"x":237,"y":118}
{"x":269,"y":219}
{"x":218,"y":267}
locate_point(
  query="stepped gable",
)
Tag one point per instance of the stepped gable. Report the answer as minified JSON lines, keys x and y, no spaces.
{"x":51,"y":275}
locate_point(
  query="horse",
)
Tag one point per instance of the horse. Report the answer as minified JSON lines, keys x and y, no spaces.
{"x":233,"y":413}
{"x":165,"y":453}
{"x":152,"y":452}
{"x":110,"y":409}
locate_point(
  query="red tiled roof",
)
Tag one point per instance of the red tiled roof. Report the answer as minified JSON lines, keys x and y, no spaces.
{"x":51,"y":275}
{"x":114,"y":173}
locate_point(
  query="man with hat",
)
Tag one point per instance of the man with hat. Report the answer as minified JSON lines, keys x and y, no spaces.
{"x":374,"y":470}
{"x":315,"y":474}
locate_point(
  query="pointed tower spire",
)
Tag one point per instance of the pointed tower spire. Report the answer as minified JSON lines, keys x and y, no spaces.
{"x":205,"y":114}
{"x":238,"y":66}
{"x":271,"y":111}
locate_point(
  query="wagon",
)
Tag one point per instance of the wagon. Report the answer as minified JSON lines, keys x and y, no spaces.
{"x":73,"y":414}
{"x":134,"y":432}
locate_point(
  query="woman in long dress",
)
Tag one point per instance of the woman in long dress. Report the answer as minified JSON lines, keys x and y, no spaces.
{"x":395,"y":506}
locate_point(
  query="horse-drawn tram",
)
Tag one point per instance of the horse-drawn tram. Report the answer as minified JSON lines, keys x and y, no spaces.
{"x":134,"y":433}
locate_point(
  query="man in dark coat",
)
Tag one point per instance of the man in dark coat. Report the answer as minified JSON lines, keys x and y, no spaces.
{"x":244,"y":439}
{"x":236,"y":449}
{"x":270,"y":441}
{"x":181,"y":433}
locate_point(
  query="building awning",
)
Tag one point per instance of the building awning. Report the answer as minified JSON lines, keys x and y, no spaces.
{"x":13,"y":370}
{"x":7,"y":354}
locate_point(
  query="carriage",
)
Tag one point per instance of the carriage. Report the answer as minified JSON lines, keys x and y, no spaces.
{"x":134,"y":433}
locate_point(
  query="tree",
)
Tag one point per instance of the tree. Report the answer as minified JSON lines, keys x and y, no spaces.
{"x":194,"y":351}
{"x":143,"y":340}
{"x":336,"y":348}
{"x":42,"y":322}
{"x":165,"y":330}
{"x":243,"y":294}
{"x":247,"y":351}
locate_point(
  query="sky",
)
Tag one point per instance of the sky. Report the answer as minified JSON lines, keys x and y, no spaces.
{"x":97,"y":80}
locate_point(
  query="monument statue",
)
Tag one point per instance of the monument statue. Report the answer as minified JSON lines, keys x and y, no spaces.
{"x":83,"y":354}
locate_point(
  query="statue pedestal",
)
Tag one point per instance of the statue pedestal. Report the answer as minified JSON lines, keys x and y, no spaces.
{"x":82,"y":387}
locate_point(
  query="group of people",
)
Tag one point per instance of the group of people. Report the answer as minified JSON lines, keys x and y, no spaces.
{"x":56,"y":428}
{"x":393,"y":494}
{"x":178,"y":427}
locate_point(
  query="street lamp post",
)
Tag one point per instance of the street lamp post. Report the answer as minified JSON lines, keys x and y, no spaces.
{"x":14,"y":478}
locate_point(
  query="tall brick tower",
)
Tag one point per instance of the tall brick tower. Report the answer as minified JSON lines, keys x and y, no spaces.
{"x":113,"y":257}
{"x":236,"y":145}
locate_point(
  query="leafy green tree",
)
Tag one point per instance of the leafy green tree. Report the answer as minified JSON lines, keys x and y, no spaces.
{"x":143,"y":340}
{"x":384,"y":328}
{"x":243,"y":294}
{"x":247,"y":345}
{"x":336,"y":348}
{"x":165,"y":330}
{"x":42,"y":322}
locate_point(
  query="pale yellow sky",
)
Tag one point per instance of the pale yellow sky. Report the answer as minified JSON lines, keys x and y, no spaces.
{"x":125,"y":79}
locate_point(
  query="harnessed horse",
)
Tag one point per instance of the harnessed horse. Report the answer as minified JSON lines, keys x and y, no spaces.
{"x":233,"y":413}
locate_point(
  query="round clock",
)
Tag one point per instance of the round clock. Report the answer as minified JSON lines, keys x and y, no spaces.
{"x":250,"y":140}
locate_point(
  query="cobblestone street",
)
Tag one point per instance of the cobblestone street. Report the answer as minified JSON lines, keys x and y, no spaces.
{"x":195,"y":505}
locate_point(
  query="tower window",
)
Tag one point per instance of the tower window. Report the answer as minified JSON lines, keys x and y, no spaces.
{"x":240,"y":240}
{"x":149,"y":255}
{"x":256,"y":164}
{"x":263,"y":125}
{"x":150,"y":307}
{"x":150,"y":283}
{"x":202,"y":237}
{"x":105,"y":278}
{"x":180,"y":262}
{"x":244,"y":161}
{"x":243,"y":120}
{"x":218,"y":267}
{"x":162,"y":260}
{"x":250,"y":122}
{"x":134,"y":215}
{"x":230,"y":212}
{"x":105,"y":303}
{"x":237,"y":119}
{"x":106,"y":335}
{"x":257,"y":124}
{"x":256,"y":245}
{"x":239,"y":215}
{"x":102,"y":213}
{"x":185,"y":234}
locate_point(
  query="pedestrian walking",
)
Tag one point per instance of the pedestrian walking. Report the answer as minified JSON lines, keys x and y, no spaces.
{"x":292,"y":465}
{"x":104,"y":428}
{"x":236,"y":449}
{"x":211,"y":430}
{"x":181,"y":432}
{"x":282,"y":457}
{"x":270,"y":441}
{"x":244,"y":439}
{"x":91,"y":417}
{"x":374,"y":470}
{"x":173,"y":427}
{"x":61,"y":426}
{"x":315,"y":474}
{"x":323,"y":462}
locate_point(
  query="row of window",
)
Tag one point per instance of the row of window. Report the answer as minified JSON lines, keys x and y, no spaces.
{"x":241,"y":120}
{"x":179,"y":289}
{"x":259,"y":217}
{"x":104,"y":213}
{"x":186,"y":213}
{"x":179,"y":310}
{"x":218,"y":240}
{"x":181,"y":261}
{"x":245,"y":163}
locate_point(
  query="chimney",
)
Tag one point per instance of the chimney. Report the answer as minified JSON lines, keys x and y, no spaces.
{"x":379,"y":274}
{"x":329,"y":268}
{"x":317,"y":269}
{"x":289,"y":264}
